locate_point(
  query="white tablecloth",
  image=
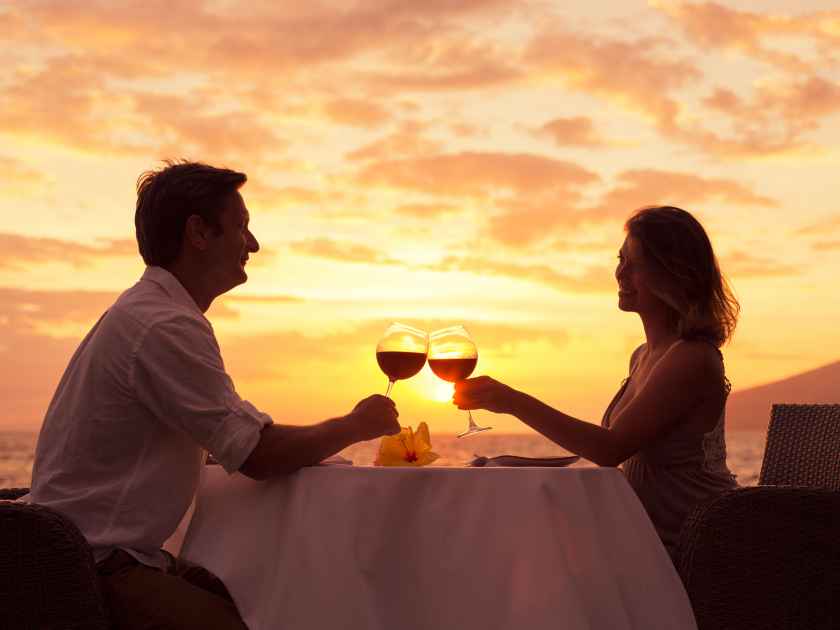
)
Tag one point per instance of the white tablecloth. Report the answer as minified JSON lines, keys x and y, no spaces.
{"x":437,"y":549}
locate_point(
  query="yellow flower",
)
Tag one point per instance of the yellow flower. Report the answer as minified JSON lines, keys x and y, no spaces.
{"x":407,"y":448}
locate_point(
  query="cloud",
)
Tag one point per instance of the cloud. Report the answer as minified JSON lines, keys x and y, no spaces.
{"x":476,"y":174}
{"x":18,"y":251}
{"x":593,"y":280}
{"x":526,"y":220}
{"x":578,"y":131}
{"x":93,"y":114}
{"x":268,"y":40}
{"x":740,"y":264}
{"x":712,"y":25}
{"x":261,"y":299}
{"x":775,"y":120}
{"x":646,"y":187}
{"x":426,"y":210}
{"x":408,"y":141}
{"x":530,"y":218}
{"x":17,"y":176}
{"x":341,"y":251}
{"x":826,"y":246}
{"x":828,"y":224}
{"x":28,"y":310}
{"x":356,"y":113}
{"x":638,"y":75}
{"x":105,"y":83}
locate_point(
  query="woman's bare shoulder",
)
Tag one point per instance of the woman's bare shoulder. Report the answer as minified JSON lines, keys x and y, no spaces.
{"x":637,"y":353}
{"x":699,"y":357}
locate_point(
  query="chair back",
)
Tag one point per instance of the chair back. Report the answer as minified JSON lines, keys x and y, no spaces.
{"x":763,"y":558}
{"x":47,"y":576}
{"x":803,"y":447}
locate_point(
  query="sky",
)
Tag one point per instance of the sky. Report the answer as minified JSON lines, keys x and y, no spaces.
{"x":426,"y":162}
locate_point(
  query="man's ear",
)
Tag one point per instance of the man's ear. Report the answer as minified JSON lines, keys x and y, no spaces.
{"x":196,"y":232}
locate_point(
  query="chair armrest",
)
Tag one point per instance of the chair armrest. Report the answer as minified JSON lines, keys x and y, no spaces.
{"x":764,"y":557}
{"x":47,"y":575}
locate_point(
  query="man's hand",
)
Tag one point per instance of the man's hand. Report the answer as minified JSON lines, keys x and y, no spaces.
{"x":373,"y":417}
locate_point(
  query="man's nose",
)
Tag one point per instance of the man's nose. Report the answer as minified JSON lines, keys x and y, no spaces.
{"x":253,"y":245}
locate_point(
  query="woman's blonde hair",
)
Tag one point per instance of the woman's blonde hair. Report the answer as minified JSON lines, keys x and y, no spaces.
{"x":685,"y":273}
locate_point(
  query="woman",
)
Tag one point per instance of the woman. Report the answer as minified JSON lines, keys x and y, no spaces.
{"x":665,"y":424}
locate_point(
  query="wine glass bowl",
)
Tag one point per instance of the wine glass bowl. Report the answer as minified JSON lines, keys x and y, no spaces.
{"x":401,"y":352}
{"x":452,"y":357}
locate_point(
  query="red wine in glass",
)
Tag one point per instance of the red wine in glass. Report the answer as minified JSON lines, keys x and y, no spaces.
{"x":452,"y":357}
{"x":401,"y":352}
{"x":399,"y":365}
{"x":453,"y":370}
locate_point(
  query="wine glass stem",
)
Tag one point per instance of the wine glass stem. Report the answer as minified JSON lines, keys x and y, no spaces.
{"x":472,"y":422}
{"x":388,"y":391}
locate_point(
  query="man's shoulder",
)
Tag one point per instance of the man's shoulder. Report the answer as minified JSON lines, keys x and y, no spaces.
{"x":147,"y":304}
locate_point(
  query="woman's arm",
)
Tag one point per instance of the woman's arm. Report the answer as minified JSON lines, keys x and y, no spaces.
{"x":687,"y":374}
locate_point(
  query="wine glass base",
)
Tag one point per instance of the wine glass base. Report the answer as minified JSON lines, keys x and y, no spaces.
{"x":473,"y":429}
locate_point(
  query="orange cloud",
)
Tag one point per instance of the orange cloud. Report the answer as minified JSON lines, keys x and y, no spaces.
{"x":408,"y":141}
{"x":528,"y":219}
{"x":828,"y":224}
{"x":774,"y":121}
{"x":335,"y":250}
{"x":27,"y":310}
{"x":477,"y":174}
{"x":425,"y":210}
{"x":826,"y":246}
{"x":594,"y":280}
{"x":17,"y":251}
{"x":712,"y":25}
{"x":647,"y":187}
{"x":639,"y":75}
{"x":356,"y":112}
{"x":266,"y":40}
{"x":742,"y":264}
{"x":578,"y":131}
{"x":91,"y":113}
{"x":17,"y":175}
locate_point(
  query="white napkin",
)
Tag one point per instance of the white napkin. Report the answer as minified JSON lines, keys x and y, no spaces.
{"x":336,"y":460}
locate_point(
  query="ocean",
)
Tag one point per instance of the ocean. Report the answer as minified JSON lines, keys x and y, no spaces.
{"x":744,"y":452}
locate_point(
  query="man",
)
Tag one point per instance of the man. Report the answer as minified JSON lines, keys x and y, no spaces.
{"x":146,"y":394}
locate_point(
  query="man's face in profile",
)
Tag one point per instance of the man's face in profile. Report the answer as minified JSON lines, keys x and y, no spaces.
{"x":229,"y":250}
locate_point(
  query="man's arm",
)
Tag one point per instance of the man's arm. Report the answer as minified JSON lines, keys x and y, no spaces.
{"x":283,"y":449}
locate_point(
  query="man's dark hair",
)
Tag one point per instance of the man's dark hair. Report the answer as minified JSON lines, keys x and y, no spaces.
{"x":167,"y":197}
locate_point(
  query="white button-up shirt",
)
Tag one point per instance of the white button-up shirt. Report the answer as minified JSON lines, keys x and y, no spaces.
{"x":124,"y":438}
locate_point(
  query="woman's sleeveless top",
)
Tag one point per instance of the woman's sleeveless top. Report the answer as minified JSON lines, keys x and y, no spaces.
{"x":678,"y":471}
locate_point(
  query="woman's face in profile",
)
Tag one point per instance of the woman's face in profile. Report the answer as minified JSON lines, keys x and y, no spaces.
{"x":634,"y":279}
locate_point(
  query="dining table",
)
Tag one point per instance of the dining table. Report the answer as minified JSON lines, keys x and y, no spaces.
{"x":460,"y":548}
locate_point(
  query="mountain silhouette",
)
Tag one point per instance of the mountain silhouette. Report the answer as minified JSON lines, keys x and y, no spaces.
{"x":749,"y":409}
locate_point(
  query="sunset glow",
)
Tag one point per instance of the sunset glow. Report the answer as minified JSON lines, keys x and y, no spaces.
{"x":432,"y":163}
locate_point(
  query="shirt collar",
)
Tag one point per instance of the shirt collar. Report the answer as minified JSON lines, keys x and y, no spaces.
{"x":171,"y":285}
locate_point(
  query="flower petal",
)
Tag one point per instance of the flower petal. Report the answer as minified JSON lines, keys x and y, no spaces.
{"x":422,"y":441}
{"x":426,"y":458}
{"x":392,"y":450}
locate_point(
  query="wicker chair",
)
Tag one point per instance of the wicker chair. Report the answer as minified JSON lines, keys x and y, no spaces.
{"x":47,"y":575}
{"x":764,"y":558}
{"x":803,"y":447}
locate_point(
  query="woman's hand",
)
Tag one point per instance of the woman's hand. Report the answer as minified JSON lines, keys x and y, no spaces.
{"x":484,"y":392}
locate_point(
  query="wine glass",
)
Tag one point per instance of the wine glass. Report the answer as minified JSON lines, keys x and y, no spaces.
{"x":401,"y":352}
{"x":452,"y":357}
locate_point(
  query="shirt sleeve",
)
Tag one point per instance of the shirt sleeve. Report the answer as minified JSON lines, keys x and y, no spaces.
{"x":179,"y":375}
